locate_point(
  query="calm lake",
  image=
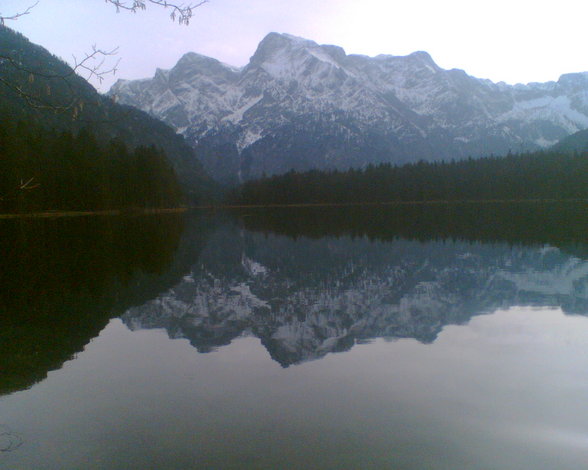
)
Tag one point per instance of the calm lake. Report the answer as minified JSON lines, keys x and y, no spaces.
{"x":431,"y":337}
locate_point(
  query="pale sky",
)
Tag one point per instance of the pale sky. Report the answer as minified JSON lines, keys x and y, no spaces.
{"x":503,"y":40}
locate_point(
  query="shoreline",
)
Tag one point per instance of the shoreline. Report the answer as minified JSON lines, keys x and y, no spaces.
{"x":114,"y":212}
{"x":393,"y":203}
{"x":133,"y":212}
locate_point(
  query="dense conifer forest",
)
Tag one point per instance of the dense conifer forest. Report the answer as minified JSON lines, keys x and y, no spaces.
{"x":46,"y":170}
{"x":543,"y":175}
{"x":83,"y":150}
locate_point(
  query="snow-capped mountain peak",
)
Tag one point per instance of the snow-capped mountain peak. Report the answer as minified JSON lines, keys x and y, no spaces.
{"x":300,"y":105}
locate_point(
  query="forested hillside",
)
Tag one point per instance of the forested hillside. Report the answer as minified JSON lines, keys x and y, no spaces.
{"x":577,"y":142}
{"x":41,"y":91}
{"x":48,"y":170}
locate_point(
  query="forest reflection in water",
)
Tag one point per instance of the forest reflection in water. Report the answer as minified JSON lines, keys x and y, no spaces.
{"x":304,"y":283}
{"x":63,"y":279}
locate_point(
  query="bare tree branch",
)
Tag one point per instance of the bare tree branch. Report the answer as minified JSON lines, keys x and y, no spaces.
{"x":86,"y":64}
{"x":182,"y":13}
{"x":19,"y":189}
{"x":28,"y":185}
{"x":37,"y":101}
{"x":16,"y":16}
{"x":93,"y":64}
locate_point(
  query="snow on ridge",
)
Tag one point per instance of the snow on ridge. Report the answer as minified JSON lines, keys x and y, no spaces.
{"x":247,"y":138}
{"x":545,"y":143}
{"x":237,"y":115}
{"x":410,"y":97}
{"x":556,"y":109}
{"x":296,"y":38}
{"x":321,"y":55}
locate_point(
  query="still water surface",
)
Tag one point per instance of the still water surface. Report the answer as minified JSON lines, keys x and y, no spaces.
{"x":402,"y":340}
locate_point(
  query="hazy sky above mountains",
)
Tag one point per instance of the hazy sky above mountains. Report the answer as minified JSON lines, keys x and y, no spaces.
{"x":503,"y":40}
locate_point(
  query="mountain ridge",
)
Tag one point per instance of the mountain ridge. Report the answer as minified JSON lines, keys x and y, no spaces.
{"x":300,"y":105}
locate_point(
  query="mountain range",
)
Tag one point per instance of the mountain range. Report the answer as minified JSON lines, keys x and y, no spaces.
{"x":300,"y":105}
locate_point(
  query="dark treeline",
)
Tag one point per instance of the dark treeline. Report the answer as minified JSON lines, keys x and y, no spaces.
{"x":542,"y":175}
{"x":44,"y":170}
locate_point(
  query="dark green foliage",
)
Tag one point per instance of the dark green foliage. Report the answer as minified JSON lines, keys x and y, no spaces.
{"x":76,"y":172}
{"x":543,"y":176}
{"x":39,"y":89}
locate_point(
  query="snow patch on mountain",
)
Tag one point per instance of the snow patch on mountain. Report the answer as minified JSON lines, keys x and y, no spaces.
{"x":407,"y":107}
{"x":237,"y":115}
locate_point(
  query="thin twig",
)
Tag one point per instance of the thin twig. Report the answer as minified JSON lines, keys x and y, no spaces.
{"x":182,"y":13}
{"x":92,"y":65}
{"x":16,"y":16}
{"x":96,"y":70}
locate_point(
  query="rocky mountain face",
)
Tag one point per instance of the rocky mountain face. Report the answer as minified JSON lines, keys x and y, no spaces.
{"x":299,"y":105}
{"x":304,"y":298}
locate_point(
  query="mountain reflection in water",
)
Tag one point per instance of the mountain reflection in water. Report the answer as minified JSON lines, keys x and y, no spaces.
{"x":304,"y":297}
